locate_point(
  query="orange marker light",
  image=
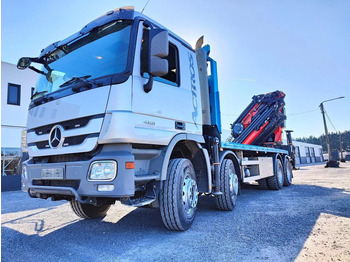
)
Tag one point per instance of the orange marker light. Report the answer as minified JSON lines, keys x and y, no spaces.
{"x":129,"y":165}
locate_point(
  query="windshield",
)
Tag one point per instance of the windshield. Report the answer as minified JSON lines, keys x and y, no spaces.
{"x":102,"y":52}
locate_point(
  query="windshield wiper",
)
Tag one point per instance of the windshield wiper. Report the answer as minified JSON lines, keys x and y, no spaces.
{"x":41,"y":99}
{"x":75,"y":80}
{"x":38,"y":93}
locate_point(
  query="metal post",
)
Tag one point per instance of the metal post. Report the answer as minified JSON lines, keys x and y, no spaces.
{"x":326,"y":133}
{"x":341,"y":148}
{"x":3,"y":163}
{"x":330,"y":162}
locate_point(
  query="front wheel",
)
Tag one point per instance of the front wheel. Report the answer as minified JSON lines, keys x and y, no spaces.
{"x":89,"y":211}
{"x":229,"y":186}
{"x":179,"y":195}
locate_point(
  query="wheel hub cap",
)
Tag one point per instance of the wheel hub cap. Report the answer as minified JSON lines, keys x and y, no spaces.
{"x":189,"y":194}
{"x":280,"y":176}
{"x":233,"y":184}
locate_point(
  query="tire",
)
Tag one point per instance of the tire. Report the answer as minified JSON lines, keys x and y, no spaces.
{"x":263,"y":184}
{"x":276,"y":181}
{"x":89,"y":211}
{"x":179,"y":195}
{"x":288,"y":173}
{"x":229,"y":186}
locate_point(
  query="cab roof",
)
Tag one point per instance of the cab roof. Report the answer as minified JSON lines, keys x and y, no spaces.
{"x":116,"y":14}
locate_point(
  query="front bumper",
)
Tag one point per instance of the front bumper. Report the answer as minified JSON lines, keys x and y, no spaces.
{"x":75,"y":178}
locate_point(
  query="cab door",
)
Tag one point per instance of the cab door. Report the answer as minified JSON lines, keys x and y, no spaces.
{"x":167,"y":109}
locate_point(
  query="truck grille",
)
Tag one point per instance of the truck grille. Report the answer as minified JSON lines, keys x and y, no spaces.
{"x":63,"y":158}
{"x":67,"y":125}
{"x":62,"y":183}
{"x":68,"y":141}
{"x":76,"y":136}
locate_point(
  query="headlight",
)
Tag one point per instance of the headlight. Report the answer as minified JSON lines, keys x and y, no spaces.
{"x":24,"y":173}
{"x":103,"y":170}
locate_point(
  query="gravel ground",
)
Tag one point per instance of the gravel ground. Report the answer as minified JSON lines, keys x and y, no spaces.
{"x":308,"y":221}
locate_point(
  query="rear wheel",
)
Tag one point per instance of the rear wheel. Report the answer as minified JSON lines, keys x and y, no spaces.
{"x":179,"y":196}
{"x":276,"y":181}
{"x":263,"y":184}
{"x":89,"y":211}
{"x":288,"y":173}
{"x":229,"y":186}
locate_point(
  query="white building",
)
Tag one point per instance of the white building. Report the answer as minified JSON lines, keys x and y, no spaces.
{"x":307,"y":153}
{"x":17,"y":87}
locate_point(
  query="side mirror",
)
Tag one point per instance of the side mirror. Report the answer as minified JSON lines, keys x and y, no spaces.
{"x":157,"y":53}
{"x":158,"y":50}
{"x":24,"y":63}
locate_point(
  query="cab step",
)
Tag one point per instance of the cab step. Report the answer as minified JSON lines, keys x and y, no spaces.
{"x":137,"y":202}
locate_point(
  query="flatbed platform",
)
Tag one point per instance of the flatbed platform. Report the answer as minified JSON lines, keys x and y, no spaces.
{"x":244,"y":147}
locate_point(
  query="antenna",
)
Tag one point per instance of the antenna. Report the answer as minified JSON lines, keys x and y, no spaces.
{"x":144,"y":7}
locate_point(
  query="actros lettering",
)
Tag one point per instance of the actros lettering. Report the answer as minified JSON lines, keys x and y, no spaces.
{"x":193,"y":89}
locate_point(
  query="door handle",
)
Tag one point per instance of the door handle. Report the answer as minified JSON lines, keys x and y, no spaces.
{"x":180,"y":125}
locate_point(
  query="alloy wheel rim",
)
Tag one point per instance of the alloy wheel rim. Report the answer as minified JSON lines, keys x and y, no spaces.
{"x":233,"y":184}
{"x":189,"y":194}
{"x":280,"y":175}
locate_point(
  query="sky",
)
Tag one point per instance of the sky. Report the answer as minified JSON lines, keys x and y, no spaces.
{"x":299,"y":47}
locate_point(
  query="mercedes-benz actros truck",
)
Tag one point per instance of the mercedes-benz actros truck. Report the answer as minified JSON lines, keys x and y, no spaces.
{"x":126,"y":110}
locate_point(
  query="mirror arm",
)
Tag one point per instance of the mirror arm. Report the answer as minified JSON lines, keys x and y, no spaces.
{"x":148,"y":86}
{"x":36,"y":70}
{"x":49,"y":70}
{"x":148,"y":24}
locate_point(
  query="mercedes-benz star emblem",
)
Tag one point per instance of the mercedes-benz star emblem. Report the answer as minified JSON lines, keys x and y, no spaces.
{"x":56,"y":139}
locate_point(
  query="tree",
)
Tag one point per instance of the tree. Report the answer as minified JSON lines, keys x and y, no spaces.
{"x":333,"y":141}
